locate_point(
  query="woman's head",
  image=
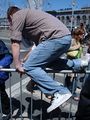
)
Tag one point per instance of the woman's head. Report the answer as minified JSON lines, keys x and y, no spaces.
{"x":78,"y":33}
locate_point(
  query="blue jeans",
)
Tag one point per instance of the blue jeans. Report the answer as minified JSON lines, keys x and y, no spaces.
{"x":46,"y":54}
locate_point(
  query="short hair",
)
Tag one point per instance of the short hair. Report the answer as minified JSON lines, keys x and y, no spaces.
{"x":11,"y":10}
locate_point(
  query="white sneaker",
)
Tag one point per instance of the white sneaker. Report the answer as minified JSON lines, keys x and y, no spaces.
{"x":87,"y":57}
{"x":84,"y":63}
{"x":58,"y":100}
{"x":85,"y":60}
{"x":49,"y":96}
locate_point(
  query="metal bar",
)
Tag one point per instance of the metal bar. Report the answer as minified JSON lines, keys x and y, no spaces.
{"x":31,"y":105}
{"x":21,"y":97}
{"x":11,"y":111}
{"x":49,"y":71}
{"x":41,"y":106}
{"x":66,"y":71}
{"x":8,"y":70}
{"x":74,"y":80}
{"x":0,"y":108}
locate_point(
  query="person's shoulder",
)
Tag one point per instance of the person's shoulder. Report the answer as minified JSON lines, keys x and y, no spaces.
{"x":35,"y":10}
{"x":21,"y":11}
{"x":20,"y":15}
{"x":24,"y":10}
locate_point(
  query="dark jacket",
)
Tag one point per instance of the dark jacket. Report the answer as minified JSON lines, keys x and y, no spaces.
{"x":5,"y":61}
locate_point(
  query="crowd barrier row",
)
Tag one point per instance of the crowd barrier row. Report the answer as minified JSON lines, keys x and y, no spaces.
{"x":48,"y":71}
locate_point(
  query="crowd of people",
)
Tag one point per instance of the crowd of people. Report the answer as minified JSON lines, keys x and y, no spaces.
{"x":52,"y":39}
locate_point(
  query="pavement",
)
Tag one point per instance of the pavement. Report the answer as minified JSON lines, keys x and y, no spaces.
{"x":33,"y":108}
{"x":4,"y":33}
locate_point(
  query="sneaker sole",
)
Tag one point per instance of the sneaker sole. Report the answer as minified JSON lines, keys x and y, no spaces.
{"x":67,"y":97}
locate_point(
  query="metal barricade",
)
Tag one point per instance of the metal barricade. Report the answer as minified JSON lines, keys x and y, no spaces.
{"x":21,"y":97}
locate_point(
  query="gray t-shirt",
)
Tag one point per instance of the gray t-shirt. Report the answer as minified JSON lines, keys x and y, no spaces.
{"x":37,"y":26}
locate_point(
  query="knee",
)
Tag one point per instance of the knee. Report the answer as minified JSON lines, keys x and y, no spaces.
{"x":28,"y":67}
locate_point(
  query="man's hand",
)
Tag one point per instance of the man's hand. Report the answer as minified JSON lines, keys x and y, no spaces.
{"x":20,"y":70}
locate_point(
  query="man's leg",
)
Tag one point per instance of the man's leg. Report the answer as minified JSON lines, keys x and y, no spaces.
{"x":47,"y":52}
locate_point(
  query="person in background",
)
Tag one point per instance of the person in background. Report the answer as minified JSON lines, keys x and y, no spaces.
{"x":82,"y":27}
{"x":75,"y":51}
{"x":5,"y":61}
{"x":52,"y":39}
{"x":83,"y":111}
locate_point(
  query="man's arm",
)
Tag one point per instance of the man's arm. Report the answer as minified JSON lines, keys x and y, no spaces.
{"x":16,"y":55}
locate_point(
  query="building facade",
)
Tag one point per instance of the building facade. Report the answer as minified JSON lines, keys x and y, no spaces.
{"x":4,"y":24}
{"x":73,"y":18}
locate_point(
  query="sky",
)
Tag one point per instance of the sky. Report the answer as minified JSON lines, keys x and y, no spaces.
{"x":62,"y":4}
{"x":47,"y":4}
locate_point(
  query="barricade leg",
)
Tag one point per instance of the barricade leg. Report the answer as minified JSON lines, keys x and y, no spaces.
{"x":41,"y":106}
{"x":31,"y":105}
{"x":73,"y":90}
{"x":0,"y":108}
{"x":31,"y":117}
{"x":11,"y":111}
{"x":21,"y":97}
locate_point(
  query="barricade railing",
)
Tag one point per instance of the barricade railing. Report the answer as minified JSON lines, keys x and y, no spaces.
{"x":48,"y":71}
